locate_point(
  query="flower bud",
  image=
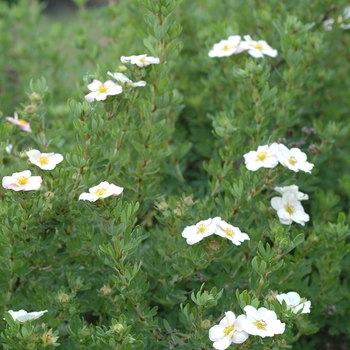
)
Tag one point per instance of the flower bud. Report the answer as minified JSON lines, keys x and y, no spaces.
{"x":118,"y":328}
{"x":30,"y":109}
{"x":177,"y":212}
{"x":106,"y":290}
{"x":49,"y":194}
{"x":35,"y":96}
{"x":206,"y":324}
{"x":63,"y":298}
{"x":48,"y":339}
{"x":214,"y":245}
{"x":162,"y":206}
{"x":271,"y":296}
{"x":188,"y":201}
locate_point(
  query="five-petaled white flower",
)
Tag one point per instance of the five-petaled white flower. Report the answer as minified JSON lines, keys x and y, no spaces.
{"x":300,"y":196}
{"x":23,"y":316}
{"x":265,"y":156}
{"x":258,"y":48}
{"x":202,"y":229}
{"x":124,"y":81}
{"x":45,"y":161}
{"x":22,"y":181}
{"x":262,"y":322}
{"x":294,"y":159}
{"x":234,"y":234}
{"x":289,"y":209}
{"x":103,"y":190}
{"x":294,"y":302}
{"x":227,"y":47}
{"x":140,"y":60}
{"x":228,"y":331}
{"x":24,"y":125}
{"x":100,"y":90}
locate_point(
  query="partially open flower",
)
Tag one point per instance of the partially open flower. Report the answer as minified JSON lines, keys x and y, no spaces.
{"x":103,"y":190}
{"x":262,"y":322}
{"x":202,"y":229}
{"x":48,"y":338}
{"x":300,"y":196}
{"x":230,"y":232}
{"x":45,"y":161}
{"x":140,"y":60}
{"x":100,"y":91}
{"x":22,"y":181}
{"x":24,"y":125}
{"x":294,"y":302}
{"x":227,"y":47}
{"x":228,"y":331}
{"x":124,"y":81}
{"x":258,"y":48}
{"x":23,"y":316}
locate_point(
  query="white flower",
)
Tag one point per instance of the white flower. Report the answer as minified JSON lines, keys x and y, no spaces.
{"x":265,"y":156}
{"x":9,"y":148}
{"x":226,"y":47}
{"x":22,"y":181}
{"x":103,"y":190}
{"x":328,"y":24}
{"x":23,"y":316}
{"x":45,"y":161}
{"x":140,"y":60}
{"x":234,"y":234}
{"x":100,"y":90}
{"x":202,"y":229}
{"x":258,"y":48}
{"x":262,"y":322}
{"x":20,"y":122}
{"x":289,"y":209}
{"x":300,"y":196}
{"x":124,"y":81}
{"x":228,"y":331}
{"x":293,"y":159}
{"x":294,"y":302}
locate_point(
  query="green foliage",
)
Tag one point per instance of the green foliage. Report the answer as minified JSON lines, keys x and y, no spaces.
{"x":116,"y":273}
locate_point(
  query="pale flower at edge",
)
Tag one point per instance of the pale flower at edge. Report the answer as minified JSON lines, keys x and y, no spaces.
{"x":257,"y":49}
{"x":202,"y":229}
{"x":228,"y":331}
{"x":100,"y":91}
{"x":294,"y":302}
{"x":45,"y":161}
{"x":24,"y":125}
{"x":262,"y":322}
{"x":103,"y":190}
{"x":140,"y":60}
{"x":23,"y":316}
{"x":234,"y":234}
{"x":124,"y":81}
{"x":265,"y":156}
{"x":226,"y":47}
{"x":22,"y":181}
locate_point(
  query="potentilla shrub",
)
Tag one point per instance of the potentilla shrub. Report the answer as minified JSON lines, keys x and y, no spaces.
{"x":175,"y":175}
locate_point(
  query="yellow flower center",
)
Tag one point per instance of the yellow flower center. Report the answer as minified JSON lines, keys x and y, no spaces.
{"x":292,"y":160}
{"x":229,"y":232}
{"x":228,"y":329}
{"x":143,"y":59}
{"x":201,"y":228}
{"x":258,"y":46}
{"x":289,"y":209}
{"x":260,"y":324}
{"x":261,"y":156}
{"x":22,"y":121}
{"x":100,"y":192}
{"x":22,"y":180}
{"x":226,"y":48}
{"x":102,"y":88}
{"x":43,"y":160}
